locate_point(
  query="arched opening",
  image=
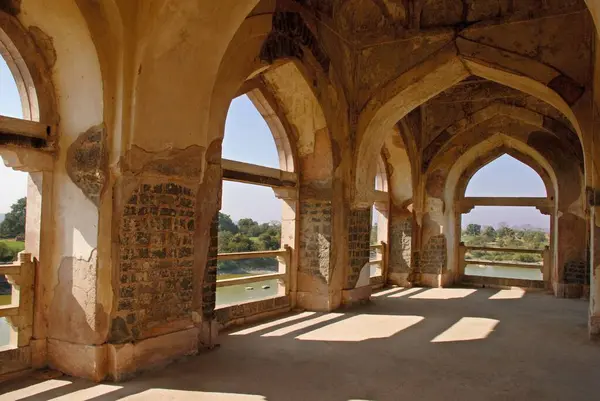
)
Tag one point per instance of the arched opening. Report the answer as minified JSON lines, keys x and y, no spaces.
{"x":380,"y":226}
{"x":19,"y":231}
{"x":256,"y":221}
{"x":507,"y":232}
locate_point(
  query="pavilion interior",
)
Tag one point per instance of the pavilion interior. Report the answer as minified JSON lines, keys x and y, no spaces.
{"x":374,"y":105}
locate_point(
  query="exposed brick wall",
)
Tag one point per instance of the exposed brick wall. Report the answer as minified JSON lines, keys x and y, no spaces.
{"x":249,"y":309}
{"x":359,"y":233}
{"x":315,"y":238}
{"x":400,"y":244}
{"x":209,"y":296}
{"x":433,"y":255}
{"x":576,"y":272}
{"x":156,"y":260}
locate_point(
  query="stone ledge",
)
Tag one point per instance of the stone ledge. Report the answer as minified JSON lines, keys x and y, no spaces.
{"x":502,"y":283}
{"x":249,"y":312}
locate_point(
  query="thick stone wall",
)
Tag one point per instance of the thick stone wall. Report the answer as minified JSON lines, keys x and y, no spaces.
{"x":359,"y":233}
{"x":433,"y":256}
{"x":315,"y":238}
{"x":156,"y":260}
{"x":576,"y":273}
{"x":400,"y":244}
{"x":209,"y":295}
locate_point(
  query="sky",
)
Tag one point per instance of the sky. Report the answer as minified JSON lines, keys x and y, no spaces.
{"x":13,"y":184}
{"x":248,"y":139}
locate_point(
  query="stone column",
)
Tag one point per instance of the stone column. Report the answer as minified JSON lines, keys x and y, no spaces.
{"x":314,"y":256}
{"x":433,"y":270}
{"x":357,"y":284}
{"x":400,"y":247}
{"x":164,"y":253}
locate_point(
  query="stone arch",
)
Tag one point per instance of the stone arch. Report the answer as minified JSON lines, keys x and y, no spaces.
{"x":471,"y":161}
{"x":443,"y":70}
{"x":515,"y":113}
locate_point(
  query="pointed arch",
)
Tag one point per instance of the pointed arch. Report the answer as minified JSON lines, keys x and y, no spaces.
{"x":443,"y":70}
{"x":495,"y":110}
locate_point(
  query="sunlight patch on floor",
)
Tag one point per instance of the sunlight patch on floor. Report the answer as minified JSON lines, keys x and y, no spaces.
{"x":468,"y":329}
{"x":361,"y":328}
{"x":405,"y":293}
{"x":34,"y":389}
{"x":513,"y":293}
{"x":302,"y":325}
{"x":88,"y":393}
{"x":387,"y":292}
{"x":444,"y":293}
{"x":277,"y":322}
{"x":167,"y":394}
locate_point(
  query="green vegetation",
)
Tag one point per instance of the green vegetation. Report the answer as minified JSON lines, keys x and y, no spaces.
{"x":13,"y":225}
{"x":247,"y":236}
{"x":9,"y":249}
{"x":12,"y":230}
{"x":504,"y":237}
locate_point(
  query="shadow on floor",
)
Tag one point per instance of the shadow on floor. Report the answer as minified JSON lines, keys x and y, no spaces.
{"x":414,"y":344}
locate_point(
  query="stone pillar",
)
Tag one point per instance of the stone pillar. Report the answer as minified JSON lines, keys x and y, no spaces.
{"x":571,"y":276}
{"x":314,"y":256}
{"x":164,"y":258}
{"x":400,"y":248}
{"x":357,"y":286}
{"x":289,"y":240}
{"x":433,"y":269}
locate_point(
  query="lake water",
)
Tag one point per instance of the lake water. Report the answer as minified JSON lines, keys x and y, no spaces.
{"x":242,"y":293}
{"x":503,"y":272}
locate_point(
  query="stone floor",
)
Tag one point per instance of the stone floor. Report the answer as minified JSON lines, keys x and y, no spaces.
{"x":415,"y":344}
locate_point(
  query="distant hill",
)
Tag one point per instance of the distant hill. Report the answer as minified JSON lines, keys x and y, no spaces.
{"x":1,"y":217}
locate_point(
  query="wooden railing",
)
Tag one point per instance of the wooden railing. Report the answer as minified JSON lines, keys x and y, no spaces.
{"x":19,"y":312}
{"x":543,"y":265}
{"x":284,"y":256}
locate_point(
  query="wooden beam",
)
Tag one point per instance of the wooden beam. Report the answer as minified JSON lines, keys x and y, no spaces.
{"x":251,"y":255}
{"x":503,"y":264}
{"x":9,"y":310}
{"x":258,"y":175}
{"x":250,"y":279}
{"x":31,"y":129}
{"x":507,"y":201}
{"x":10,"y":270}
{"x":510,"y":250}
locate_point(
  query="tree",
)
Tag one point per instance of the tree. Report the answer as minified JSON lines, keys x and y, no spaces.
{"x":13,"y":224}
{"x":226,"y":224}
{"x":489,"y":233}
{"x":473,"y":229}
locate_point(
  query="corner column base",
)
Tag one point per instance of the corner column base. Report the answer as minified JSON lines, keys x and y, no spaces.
{"x":399,"y":279}
{"x":594,"y":327}
{"x":435,"y":280}
{"x":79,"y":360}
{"x":125,"y":360}
{"x":318,"y":302}
{"x":564,"y":290}
{"x":356,"y":295}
